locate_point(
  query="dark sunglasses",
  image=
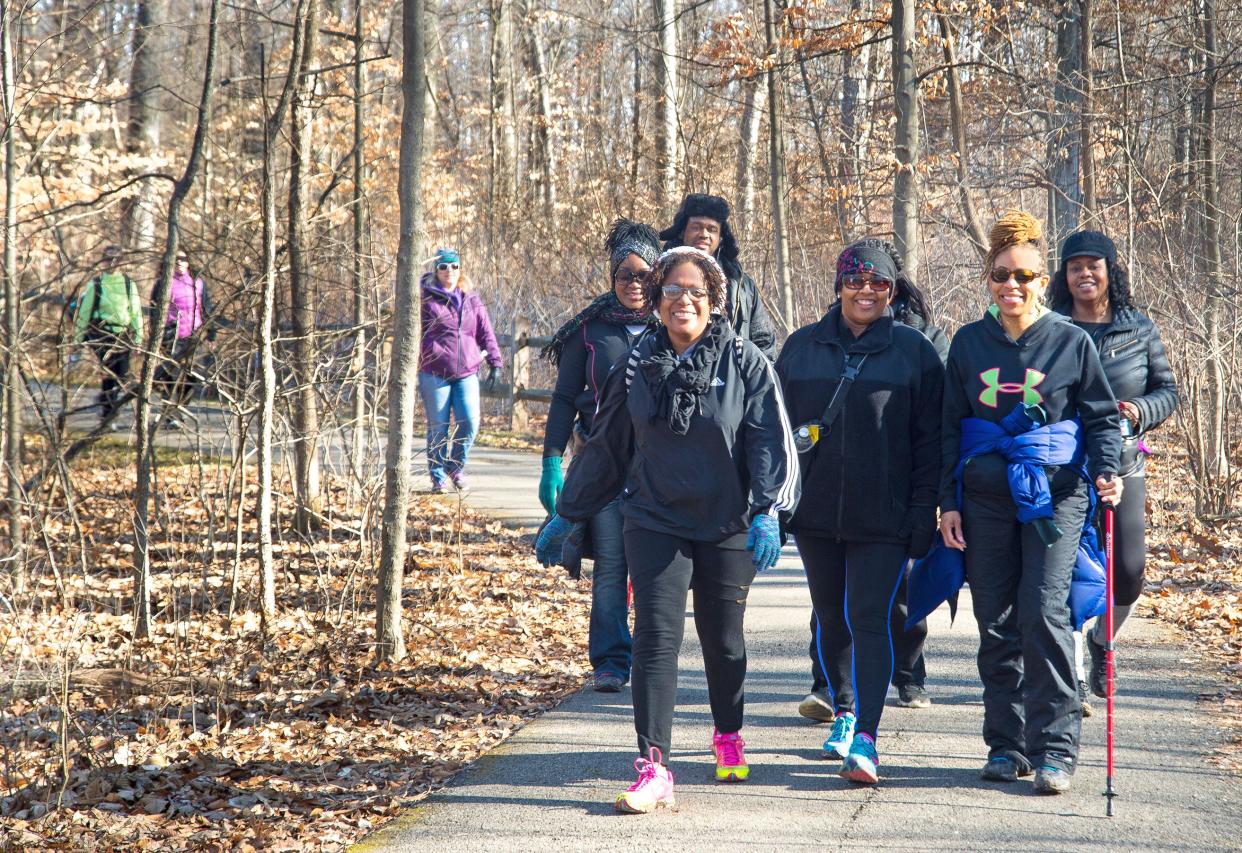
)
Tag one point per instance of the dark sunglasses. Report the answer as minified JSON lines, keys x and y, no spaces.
{"x":443,"y":267}
{"x":1000,"y":275}
{"x":673,"y":292}
{"x":183,"y":260}
{"x":626,"y":277}
{"x":856,"y":282}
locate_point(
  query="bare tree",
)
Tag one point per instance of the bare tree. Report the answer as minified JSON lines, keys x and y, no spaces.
{"x":142,"y":132}
{"x":1065,"y":146}
{"x":748,"y":132}
{"x":957,"y":122}
{"x":358,"y":366}
{"x":1088,"y":108}
{"x":403,"y":383}
{"x":13,"y":386}
{"x":667,"y":122}
{"x":905,"y":135}
{"x":776,"y":166}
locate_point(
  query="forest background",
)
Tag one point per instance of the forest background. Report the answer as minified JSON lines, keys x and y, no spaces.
{"x":186,"y":628}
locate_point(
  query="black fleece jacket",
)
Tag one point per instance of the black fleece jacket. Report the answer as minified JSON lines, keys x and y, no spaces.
{"x":736,"y":461}
{"x":1053,"y":365}
{"x":874,"y":478}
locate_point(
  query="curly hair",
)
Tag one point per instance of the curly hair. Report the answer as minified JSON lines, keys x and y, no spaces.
{"x":1015,"y":228}
{"x":713,"y":275}
{"x":1119,"y":298}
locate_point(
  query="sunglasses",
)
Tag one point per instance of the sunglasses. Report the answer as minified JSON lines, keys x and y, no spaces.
{"x":672,"y":292}
{"x":1000,"y":275}
{"x":625,"y":277}
{"x":183,"y":260}
{"x":443,"y":267}
{"x":857,"y":281}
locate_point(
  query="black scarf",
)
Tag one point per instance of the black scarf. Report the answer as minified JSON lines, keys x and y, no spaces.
{"x":677,"y":385}
{"x":606,"y":307}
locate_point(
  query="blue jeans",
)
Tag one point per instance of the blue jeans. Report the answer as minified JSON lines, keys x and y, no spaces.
{"x":609,"y":644}
{"x":460,"y":397}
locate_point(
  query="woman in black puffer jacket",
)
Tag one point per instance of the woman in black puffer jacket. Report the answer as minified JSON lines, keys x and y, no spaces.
{"x":1093,"y":289}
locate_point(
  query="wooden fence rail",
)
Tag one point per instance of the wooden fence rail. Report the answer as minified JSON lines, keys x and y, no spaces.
{"x":517,"y":346}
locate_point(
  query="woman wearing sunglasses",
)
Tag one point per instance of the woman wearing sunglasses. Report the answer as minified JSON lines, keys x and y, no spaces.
{"x":457,"y":333}
{"x":1030,"y":425}
{"x":1093,"y":288}
{"x":583,"y":351}
{"x":692,"y":432}
{"x":864,"y":394}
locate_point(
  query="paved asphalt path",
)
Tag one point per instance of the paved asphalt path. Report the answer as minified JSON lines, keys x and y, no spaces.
{"x":551,"y":786}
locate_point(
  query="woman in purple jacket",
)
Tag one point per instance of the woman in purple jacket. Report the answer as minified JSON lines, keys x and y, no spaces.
{"x":456,"y":333}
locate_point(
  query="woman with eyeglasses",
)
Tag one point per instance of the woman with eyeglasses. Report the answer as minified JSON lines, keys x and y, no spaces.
{"x":864,"y":396}
{"x":583,"y":351}
{"x":1092,"y":288}
{"x":692,"y":432}
{"x":189,"y":309}
{"x":457,"y":336}
{"x":1030,"y":425}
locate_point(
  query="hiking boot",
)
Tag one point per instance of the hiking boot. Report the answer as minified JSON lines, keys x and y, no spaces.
{"x":817,"y":707}
{"x":1051,"y":780}
{"x":653,"y":790}
{"x":459,"y":480}
{"x":1099,"y":666}
{"x":1002,"y":768}
{"x":607,"y":682}
{"x":730,"y":759}
{"x":912,"y":696}
{"x":1082,"y":699}
{"x":437,"y":487}
{"x":862,"y":765}
{"x":838,"y":743}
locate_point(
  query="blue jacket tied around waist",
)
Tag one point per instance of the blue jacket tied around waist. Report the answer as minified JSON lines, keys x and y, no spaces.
{"x":1027,"y":447}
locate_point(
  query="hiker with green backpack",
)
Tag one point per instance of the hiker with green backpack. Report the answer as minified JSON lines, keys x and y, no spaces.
{"x":108,"y":319}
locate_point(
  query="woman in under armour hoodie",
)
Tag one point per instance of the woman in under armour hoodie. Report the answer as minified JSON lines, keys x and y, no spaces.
{"x":1023,"y":373}
{"x":869,"y":483}
{"x":693,"y":426}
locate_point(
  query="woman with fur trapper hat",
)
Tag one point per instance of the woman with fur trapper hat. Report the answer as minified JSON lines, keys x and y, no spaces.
{"x":583,"y":351}
{"x":1030,"y":426}
{"x":702,"y":221}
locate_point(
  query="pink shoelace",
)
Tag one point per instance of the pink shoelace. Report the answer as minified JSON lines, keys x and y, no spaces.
{"x":728,"y":748}
{"x":646,"y":768}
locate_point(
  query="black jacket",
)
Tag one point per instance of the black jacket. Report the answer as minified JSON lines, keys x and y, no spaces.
{"x":586,"y":359}
{"x":1138,"y":371}
{"x":1053,"y":365}
{"x":737,"y":459}
{"x":747,"y":314}
{"x":875,"y":477}
{"x":935,"y":334}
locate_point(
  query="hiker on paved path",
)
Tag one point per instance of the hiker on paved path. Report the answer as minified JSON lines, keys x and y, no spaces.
{"x":108,"y":319}
{"x":694,"y":428}
{"x":1025,"y":401}
{"x":457,"y":337}
{"x":189,"y":309}
{"x":584,"y":351}
{"x":868,"y":391}
{"x":1092,"y":288}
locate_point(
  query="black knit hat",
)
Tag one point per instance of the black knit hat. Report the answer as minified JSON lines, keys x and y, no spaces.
{"x":1088,"y":244}
{"x":713,"y":207}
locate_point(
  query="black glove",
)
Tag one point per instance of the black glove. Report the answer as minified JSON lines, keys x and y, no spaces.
{"x":493,"y":377}
{"x":921,"y":521}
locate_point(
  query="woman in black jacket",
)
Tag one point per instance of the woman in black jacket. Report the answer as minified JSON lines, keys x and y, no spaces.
{"x":870,"y":480}
{"x":1093,"y":289}
{"x":693,"y":426}
{"x":584,"y":350}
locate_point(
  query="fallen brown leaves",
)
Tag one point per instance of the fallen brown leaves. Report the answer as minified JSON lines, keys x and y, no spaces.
{"x":209,"y":736}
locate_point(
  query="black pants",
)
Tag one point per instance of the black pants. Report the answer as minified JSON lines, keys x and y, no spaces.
{"x":1129,"y":542}
{"x":176,"y":379}
{"x":662,"y":569}
{"x":853,"y":586}
{"x":1020,"y":591}
{"x":909,"y":666}
{"x":113,"y":353}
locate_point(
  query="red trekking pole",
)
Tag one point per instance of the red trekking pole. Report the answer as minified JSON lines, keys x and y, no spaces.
{"x":1109,"y":791}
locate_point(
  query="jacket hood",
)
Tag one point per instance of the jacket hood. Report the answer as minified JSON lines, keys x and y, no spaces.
{"x":1038,"y":330}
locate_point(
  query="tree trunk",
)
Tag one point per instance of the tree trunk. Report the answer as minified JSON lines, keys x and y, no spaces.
{"x":358,"y":366}
{"x":13,"y":386}
{"x":142,"y":132}
{"x":504,"y":133}
{"x":776,"y":167}
{"x":957,"y":122}
{"x":636,"y":123}
{"x":667,"y":122}
{"x":1088,"y":106}
{"x":905,"y":137}
{"x":144,"y":428}
{"x":543,"y":128}
{"x":855,"y":92}
{"x":748,"y":131}
{"x":1064,"y":146}
{"x":403,"y":387}
{"x":309,"y":502}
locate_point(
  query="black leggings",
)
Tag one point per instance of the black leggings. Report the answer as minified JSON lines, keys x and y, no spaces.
{"x":853,"y":585}
{"x":1129,"y":542}
{"x":662,"y":569}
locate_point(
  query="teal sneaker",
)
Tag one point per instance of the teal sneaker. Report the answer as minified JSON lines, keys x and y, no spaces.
{"x":842,"y":735}
{"x":862,"y":765}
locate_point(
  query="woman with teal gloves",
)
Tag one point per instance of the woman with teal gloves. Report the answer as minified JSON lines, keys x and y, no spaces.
{"x":584,"y":350}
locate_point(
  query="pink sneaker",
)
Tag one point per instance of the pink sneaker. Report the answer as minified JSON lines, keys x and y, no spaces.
{"x":730,"y":759}
{"x":653,"y":789}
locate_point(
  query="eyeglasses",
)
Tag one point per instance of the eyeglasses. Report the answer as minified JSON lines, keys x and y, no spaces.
{"x":856,"y":282}
{"x":1000,"y":275}
{"x":443,"y":267}
{"x":672,"y":292}
{"x":628,"y":277}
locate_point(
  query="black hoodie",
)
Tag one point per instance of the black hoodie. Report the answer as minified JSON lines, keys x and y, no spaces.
{"x":1053,"y":365}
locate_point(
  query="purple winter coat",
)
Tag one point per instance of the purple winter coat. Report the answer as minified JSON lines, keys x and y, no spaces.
{"x":454,"y":341}
{"x":187,"y":304}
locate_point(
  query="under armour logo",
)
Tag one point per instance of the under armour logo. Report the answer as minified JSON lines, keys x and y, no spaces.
{"x":993,"y":387}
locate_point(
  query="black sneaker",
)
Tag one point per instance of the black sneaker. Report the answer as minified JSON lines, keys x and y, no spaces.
{"x":607,"y":682}
{"x":1002,"y":768}
{"x":1099,"y":666}
{"x":817,"y":707}
{"x":1082,"y":698}
{"x":912,"y":696}
{"x":1051,"y":780}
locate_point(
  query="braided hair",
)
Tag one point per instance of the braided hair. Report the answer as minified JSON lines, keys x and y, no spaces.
{"x":1015,"y":228}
